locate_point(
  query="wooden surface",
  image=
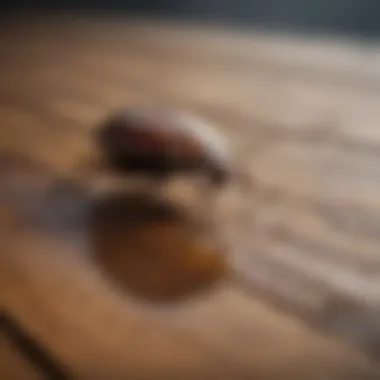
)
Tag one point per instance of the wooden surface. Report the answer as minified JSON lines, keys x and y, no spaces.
{"x":119,"y":289}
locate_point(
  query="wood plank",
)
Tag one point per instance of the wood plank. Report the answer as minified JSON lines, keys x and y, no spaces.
{"x":308,"y":236}
{"x":336,"y":57}
{"x":300,"y":106}
{"x":61,"y":295}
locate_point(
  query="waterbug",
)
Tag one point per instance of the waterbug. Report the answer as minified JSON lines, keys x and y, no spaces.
{"x":161,"y":143}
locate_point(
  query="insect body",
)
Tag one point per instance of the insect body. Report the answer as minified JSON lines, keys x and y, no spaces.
{"x":162,"y":143}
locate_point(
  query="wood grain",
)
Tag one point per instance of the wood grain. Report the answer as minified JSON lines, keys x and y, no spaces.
{"x":113,"y":296}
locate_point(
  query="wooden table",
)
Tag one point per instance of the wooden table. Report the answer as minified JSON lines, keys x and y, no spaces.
{"x":115,"y":299}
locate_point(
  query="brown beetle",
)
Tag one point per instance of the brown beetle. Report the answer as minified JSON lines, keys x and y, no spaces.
{"x":161,"y":143}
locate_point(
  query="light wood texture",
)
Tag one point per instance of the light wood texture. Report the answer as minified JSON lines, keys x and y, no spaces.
{"x":85,"y":281}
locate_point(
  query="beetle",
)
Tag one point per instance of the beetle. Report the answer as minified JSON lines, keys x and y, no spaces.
{"x":161,"y":143}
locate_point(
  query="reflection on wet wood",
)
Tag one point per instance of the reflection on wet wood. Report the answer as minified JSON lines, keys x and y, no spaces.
{"x":150,"y":252}
{"x":69,"y":265}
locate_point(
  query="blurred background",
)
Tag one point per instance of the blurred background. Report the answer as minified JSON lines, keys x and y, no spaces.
{"x":359,"y":17}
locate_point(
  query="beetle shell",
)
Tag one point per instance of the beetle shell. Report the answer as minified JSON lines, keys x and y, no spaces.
{"x":163,"y":142}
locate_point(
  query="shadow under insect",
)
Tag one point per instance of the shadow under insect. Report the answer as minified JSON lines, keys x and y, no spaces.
{"x":146,"y":246}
